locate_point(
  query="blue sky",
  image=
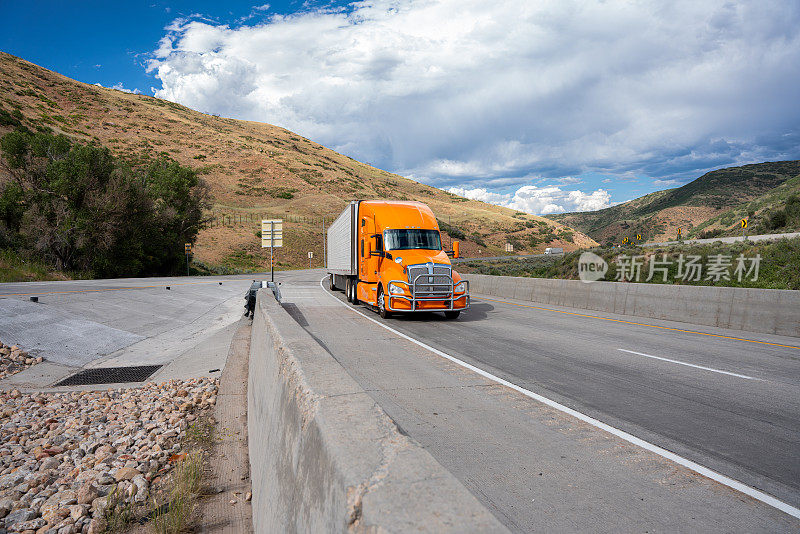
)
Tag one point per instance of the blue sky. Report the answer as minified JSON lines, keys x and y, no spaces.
{"x":546,"y":106}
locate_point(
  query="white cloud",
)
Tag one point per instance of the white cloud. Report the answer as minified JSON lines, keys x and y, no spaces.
{"x":456,"y":92}
{"x":119,"y":87}
{"x":540,"y":200}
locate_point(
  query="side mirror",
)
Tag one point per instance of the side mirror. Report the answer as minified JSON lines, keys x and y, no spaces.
{"x":456,"y":247}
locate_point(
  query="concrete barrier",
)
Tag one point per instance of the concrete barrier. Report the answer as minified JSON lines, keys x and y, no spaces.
{"x":769,"y":311}
{"x":324,"y":457}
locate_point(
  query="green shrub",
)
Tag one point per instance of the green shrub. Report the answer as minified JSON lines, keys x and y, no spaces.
{"x":79,"y":208}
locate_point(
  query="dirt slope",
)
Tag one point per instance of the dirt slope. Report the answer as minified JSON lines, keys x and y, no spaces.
{"x":254,"y":170}
{"x":715,"y":202}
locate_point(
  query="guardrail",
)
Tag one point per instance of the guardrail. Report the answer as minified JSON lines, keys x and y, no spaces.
{"x":770,"y":311}
{"x":324,"y":457}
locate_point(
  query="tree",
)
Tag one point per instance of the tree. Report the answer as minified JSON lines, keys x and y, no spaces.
{"x":80,"y":208}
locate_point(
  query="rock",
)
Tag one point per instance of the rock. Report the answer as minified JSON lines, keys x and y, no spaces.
{"x":125,"y":473}
{"x":12,"y":479}
{"x":87,"y":493}
{"x":19,"y":516}
{"x":248,"y":496}
{"x":33,"y":525}
{"x":6,"y":505}
{"x":141,"y":485}
{"x":76,"y":511}
{"x":105,"y":479}
{"x":100,"y":504}
{"x":55,"y":515}
{"x":96,"y":526}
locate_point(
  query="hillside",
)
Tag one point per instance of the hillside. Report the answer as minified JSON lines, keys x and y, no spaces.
{"x":709,"y":206}
{"x":254,"y":170}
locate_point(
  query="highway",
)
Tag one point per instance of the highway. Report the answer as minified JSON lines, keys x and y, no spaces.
{"x":732,"y":405}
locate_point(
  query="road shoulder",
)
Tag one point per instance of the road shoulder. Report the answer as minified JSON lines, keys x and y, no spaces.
{"x":226,"y":507}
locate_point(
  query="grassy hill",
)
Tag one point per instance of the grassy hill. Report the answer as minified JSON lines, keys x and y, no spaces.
{"x":710,"y":206}
{"x":254,"y":170}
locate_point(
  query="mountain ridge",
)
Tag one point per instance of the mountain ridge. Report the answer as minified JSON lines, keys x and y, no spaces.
{"x":252,"y":169}
{"x":711,"y":205}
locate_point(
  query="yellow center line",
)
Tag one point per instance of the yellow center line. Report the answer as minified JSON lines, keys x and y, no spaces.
{"x":642,"y":324}
{"x":109,"y":289}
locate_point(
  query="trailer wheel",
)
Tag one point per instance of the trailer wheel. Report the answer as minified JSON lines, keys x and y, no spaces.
{"x":452,"y":314}
{"x":382,"y":305}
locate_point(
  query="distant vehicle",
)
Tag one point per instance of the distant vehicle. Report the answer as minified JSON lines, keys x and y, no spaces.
{"x":388,"y":254}
{"x":554,"y":250}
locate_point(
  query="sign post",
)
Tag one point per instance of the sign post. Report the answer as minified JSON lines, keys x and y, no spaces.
{"x":272,"y":237}
{"x":310,"y":255}
{"x":188,"y":249}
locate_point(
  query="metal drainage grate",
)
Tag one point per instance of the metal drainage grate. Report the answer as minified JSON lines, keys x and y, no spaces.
{"x":110,"y":375}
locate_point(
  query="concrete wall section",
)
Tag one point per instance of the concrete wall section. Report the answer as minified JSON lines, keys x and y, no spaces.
{"x":325,"y":458}
{"x":770,"y":311}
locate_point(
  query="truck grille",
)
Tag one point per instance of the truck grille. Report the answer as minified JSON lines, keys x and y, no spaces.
{"x":435,"y":282}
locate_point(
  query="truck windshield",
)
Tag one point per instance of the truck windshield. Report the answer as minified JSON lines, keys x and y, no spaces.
{"x":411,"y":239}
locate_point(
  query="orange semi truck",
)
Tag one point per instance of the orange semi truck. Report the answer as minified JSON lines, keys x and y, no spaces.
{"x":388,"y":254}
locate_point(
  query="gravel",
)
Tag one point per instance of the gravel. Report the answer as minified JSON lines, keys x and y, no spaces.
{"x":62,"y":454}
{"x":13,"y":360}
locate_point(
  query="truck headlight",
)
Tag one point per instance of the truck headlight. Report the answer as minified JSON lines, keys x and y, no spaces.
{"x":396,"y":290}
{"x":461,"y":287}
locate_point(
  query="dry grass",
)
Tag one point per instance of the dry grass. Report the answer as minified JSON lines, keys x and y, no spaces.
{"x":250,"y":167}
{"x":174,"y":515}
{"x":118,"y":513}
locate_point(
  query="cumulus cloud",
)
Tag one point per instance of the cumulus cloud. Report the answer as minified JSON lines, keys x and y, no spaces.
{"x":118,"y":86}
{"x":461,"y":92}
{"x":540,"y":200}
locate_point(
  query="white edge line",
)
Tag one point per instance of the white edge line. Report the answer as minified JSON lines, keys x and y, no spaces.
{"x":689,"y":364}
{"x":693,"y":466}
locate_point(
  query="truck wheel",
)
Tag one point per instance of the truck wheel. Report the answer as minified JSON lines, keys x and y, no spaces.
{"x":382,"y":305}
{"x":348,"y":290}
{"x":452,"y":314}
{"x":354,"y":292}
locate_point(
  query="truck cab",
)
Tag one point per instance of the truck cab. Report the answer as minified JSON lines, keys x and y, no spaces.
{"x":399,"y":265}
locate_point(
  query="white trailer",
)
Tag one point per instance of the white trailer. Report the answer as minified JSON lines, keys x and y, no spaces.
{"x":341,"y":247}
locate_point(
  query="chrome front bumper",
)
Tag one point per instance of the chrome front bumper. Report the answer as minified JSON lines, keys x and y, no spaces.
{"x":415,"y":299}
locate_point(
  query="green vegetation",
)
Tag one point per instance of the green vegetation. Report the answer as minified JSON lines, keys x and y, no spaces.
{"x":741,"y":191}
{"x":75,"y":207}
{"x":174,"y":515}
{"x":451,"y":230}
{"x":779,"y":266}
{"x":15,"y":268}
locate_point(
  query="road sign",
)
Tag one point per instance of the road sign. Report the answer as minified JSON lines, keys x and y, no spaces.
{"x":638,"y":237}
{"x":625,"y":241}
{"x":744,"y":223}
{"x":271,"y":237}
{"x":188,"y":248}
{"x":271,"y":233}
{"x":310,"y":255}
